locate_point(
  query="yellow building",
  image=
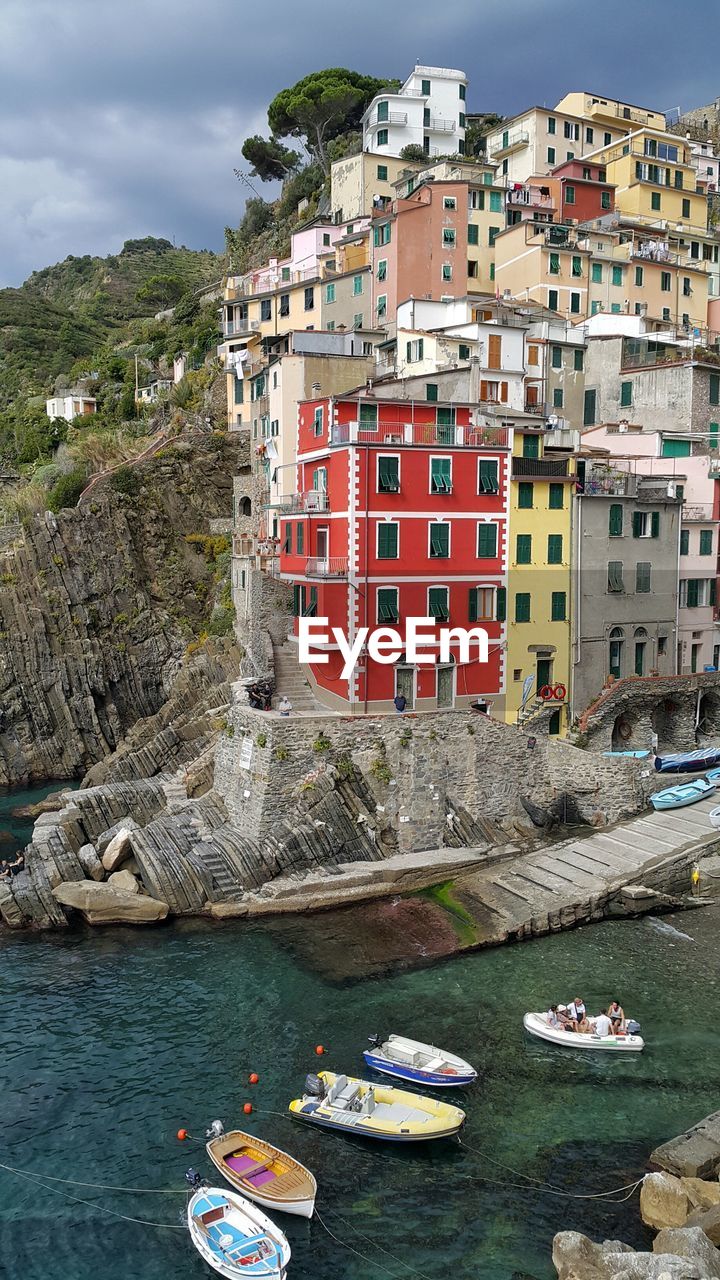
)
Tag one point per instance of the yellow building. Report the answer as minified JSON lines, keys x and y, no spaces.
{"x":544,"y":263}
{"x":359,"y":180}
{"x":635,"y":272}
{"x":654,"y":180}
{"x":538,"y":655}
{"x":610,"y":112}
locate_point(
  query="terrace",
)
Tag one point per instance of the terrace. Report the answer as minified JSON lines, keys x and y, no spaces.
{"x":420,"y":434}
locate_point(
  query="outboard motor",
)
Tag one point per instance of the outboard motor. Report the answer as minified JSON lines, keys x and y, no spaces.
{"x":375,"y":1042}
{"x":216,"y":1130}
{"x":314,"y":1087}
{"x":633,"y":1027}
{"x":193,"y":1179}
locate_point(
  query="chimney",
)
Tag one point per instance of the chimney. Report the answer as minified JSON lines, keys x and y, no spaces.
{"x":474,"y":390}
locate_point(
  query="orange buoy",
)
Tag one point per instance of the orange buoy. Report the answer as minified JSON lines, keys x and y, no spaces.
{"x":181,"y":1135}
{"x":247,"y":1108}
{"x":253,"y":1077}
{"x":319,"y":1049}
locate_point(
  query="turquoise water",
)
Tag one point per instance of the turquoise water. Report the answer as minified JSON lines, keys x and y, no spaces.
{"x":110,"y":1041}
{"x":15,"y":832}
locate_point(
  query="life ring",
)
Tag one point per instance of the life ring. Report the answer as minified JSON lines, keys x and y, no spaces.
{"x":546,"y":692}
{"x":559,"y":692}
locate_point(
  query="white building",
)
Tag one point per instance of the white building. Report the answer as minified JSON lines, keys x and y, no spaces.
{"x":69,"y":406}
{"x":428,"y":112}
{"x":706,"y":165}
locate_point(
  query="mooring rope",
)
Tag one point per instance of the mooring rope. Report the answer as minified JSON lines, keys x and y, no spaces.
{"x":34,"y":1181}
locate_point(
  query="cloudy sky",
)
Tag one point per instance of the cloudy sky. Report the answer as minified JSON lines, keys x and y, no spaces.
{"x":123,"y":118}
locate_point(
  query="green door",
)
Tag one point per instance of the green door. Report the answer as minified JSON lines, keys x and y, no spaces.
{"x":544,"y":668}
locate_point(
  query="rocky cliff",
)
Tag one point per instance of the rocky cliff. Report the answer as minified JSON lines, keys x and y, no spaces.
{"x":98,"y":605}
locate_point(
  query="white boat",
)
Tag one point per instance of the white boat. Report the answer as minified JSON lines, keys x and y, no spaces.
{"x":537,"y":1025}
{"x":714,"y":816}
{"x":422,"y":1063}
{"x":234,"y":1237}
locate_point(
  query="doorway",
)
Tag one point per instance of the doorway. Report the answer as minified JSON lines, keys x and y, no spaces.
{"x":446,"y":686}
{"x":405,"y":685}
{"x":544,"y":673}
{"x":322,"y":543}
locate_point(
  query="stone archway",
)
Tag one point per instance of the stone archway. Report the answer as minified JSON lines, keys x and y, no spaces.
{"x":623,"y":731}
{"x":708,"y":724}
{"x":663,"y":719}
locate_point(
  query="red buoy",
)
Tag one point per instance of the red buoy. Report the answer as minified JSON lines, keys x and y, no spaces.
{"x":253,"y":1077}
{"x":181,"y":1135}
{"x":247,"y":1108}
{"x":319,"y":1049}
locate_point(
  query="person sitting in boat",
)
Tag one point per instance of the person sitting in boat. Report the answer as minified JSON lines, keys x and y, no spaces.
{"x":566,"y":1022}
{"x":553,"y":1019}
{"x":616,"y":1014}
{"x":576,"y":1011}
{"x":583,"y":1024}
{"x":602,"y":1024}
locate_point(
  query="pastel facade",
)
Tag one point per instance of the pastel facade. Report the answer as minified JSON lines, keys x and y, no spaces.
{"x":427,"y":112}
{"x":69,"y":406}
{"x":536,"y":140}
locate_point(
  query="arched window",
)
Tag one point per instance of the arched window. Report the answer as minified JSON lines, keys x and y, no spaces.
{"x":245,"y":507}
{"x":615,"y":654}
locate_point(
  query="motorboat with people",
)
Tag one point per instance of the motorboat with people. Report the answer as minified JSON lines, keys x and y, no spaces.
{"x":374,"y":1111}
{"x":629,"y":1041}
{"x":421,"y":1063}
{"x":233,"y":1236}
{"x":685,"y":793}
{"x":688,"y":761}
{"x":261,"y":1171}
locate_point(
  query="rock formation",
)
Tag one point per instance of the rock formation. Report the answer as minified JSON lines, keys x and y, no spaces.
{"x":678,"y":1254}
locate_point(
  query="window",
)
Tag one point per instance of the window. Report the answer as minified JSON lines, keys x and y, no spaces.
{"x":266,"y":309}
{"x":575,"y":304}
{"x":597,"y":273}
{"x":666,"y":313}
{"x":488,"y":475}
{"x":616,"y":652}
{"x":287,"y":542}
{"x":522,"y":606}
{"x":492,"y":270}
{"x":381,"y":306}
{"x":714,"y":388}
{"x":357,"y":285}
{"x":481,"y":604}
{"x":446,"y":271}
{"x":551,"y":124}
{"x":684,"y":542}
{"x":589,"y":408}
{"x":318,"y":421}
{"x":642,"y":577}
{"x":319,"y":479}
{"x":687,"y":290}
{"x":578,"y":360}
{"x":448,"y":236}
{"x":300,"y":539}
{"x":625,"y":394}
{"x":569,"y":155}
{"x":525,"y":495}
{"x":569,"y":195}
{"x":388,"y":476}
{"x":463,"y":351}
{"x":551,"y":155}
{"x":616,"y":308}
{"x":382,"y":269}
{"x":558,"y":398}
{"x":387,"y":541}
{"x":441,"y":475}
{"x":472,"y":269}
{"x":530,"y":447}
{"x":554,"y":267}
{"x":706,"y":542}
{"x":449,"y":202}
{"x":387,"y":604}
{"x":382,"y":137}
{"x":655,"y":201}
{"x":382,"y":172}
{"x":238,"y":391}
{"x":555,"y":548}
{"x":492,"y":233}
{"x":604,"y":199}
{"x":431,"y":391}
{"x":646,"y":524}
{"x":382,"y":111}
{"x":523,"y":548}
{"x":446,"y":418}
{"x":462,"y":92}
{"x":439,"y":541}
{"x":594,"y":308}
{"x":358,"y":321}
{"x":414,"y":350}
{"x":552,"y":299}
{"x":695,"y":592}
{"x":309,"y":299}
{"x":472,"y":233}
{"x":556,"y":497}
{"x":617,"y":275}
{"x":615,"y":576}
{"x":381,"y":234}
{"x":368,"y":417}
{"x":487,"y":541}
{"x":577,"y":266}
{"x":558,"y":607}
{"x":606,"y":142}
{"x":425,"y":89}
{"x":476,"y":199}
{"x":329,"y":292}
{"x":686,"y":208}
{"x":438,"y":604}
{"x":496,"y":202}
{"x":284,"y":304}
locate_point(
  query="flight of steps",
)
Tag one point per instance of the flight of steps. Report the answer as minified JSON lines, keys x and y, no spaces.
{"x":290,"y":680}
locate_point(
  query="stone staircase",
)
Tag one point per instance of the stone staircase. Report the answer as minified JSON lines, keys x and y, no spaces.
{"x":290,"y":680}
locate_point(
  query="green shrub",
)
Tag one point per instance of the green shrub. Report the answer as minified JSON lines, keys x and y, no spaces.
{"x":322,"y":743}
{"x":66,"y":491}
{"x":126,"y":481}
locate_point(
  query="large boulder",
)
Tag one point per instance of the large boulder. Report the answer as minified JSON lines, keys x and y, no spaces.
{"x":700,"y":1193}
{"x":678,"y":1254}
{"x":708,"y":1220}
{"x":124,"y":881}
{"x":663,"y":1201}
{"x":106,"y":904}
{"x":90,"y":863}
{"x":577,"y":1258}
{"x":103,"y":840}
{"x":690,"y":1243}
{"x":118,"y":850}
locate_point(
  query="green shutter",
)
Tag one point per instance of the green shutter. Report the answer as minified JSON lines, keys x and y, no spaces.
{"x":440,"y":475}
{"x":642,"y":577}
{"x":615,"y":522}
{"x":555,"y":548}
{"x":488,"y":476}
{"x":523,"y":548}
{"x":438,"y":603}
{"x":558,"y":607}
{"x":501,"y":604}
{"x":487,"y":541}
{"x":706,"y":540}
{"x":525,"y":495}
{"x":439,"y":540}
{"x":554,"y":264}
{"x":473,"y":605}
{"x":617,"y":275}
{"x":712,"y":591}
{"x":684,"y":541}
{"x":597,"y":273}
{"x":531,"y":446}
{"x":297,"y":610}
{"x":615,"y":576}
{"x":625,"y":394}
{"x":589,"y":409}
{"x":693,"y":585}
{"x":472,"y":233}
{"x":522,"y":606}
{"x":387,"y":541}
{"x":388,"y":475}
{"x":301,"y":539}
{"x":431,"y":391}
{"x":676,"y":448}
{"x":637,"y":524}
{"x":715,"y":388}
{"x":556,"y":497}
{"x":655,"y":524}
{"x":387,"y":604}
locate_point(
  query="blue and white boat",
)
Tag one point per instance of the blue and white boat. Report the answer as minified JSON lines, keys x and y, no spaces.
{"x":713,"y":775}
{"x":686,"y":793}
{"x":629,"y":755}
{"x":421,"y":1063}
{"x":234,"y":1237}
{"x":688,"y":761}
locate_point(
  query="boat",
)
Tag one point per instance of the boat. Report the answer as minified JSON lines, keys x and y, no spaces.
{"x":688,"y":761}
{"x":629,"y":755}
{"x":537,"y":1025}
{"x":234,"y":1237}
{"x":714,"y":816}
{"x":374,"y":1111}
{"x":713,"y":775}
{"x":421,"y":1063}
{"x":685,"y":793}
{"x":262,"y":1172}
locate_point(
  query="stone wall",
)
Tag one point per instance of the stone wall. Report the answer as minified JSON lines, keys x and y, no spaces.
{"x":630,"y":711}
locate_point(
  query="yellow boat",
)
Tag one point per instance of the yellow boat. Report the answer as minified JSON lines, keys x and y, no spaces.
{"x":374,"y":1111}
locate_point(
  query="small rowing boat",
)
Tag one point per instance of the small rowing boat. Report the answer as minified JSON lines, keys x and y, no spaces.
{"x":374,"y":1111}
{"x":537,"y":1025}
{"x":714,"y":816}
{"x":235,"y":1238}
{"x":421,"y":1063}
{"x":685,"y":793}
{"x":263,"y":1172}
{"x":688,"y":761}
{"x":713,"y":775}
{"x":628,"y":755}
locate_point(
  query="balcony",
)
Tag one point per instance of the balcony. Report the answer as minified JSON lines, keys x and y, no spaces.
{"x":240,"y":329}
{"x":312,"y":502}
{"x":605,"y":483}
{"x":437,"y":125}
{"x":326,"y":567}
{"x":419,"y":434}
{"x":530,"y":197}
{"x":562,"y":438}
{"x":392,"y":117}
{"x":541,"y":469}
{"x":515,"y":142}
{"x":614,"y":112}
{"x":697,"y":513}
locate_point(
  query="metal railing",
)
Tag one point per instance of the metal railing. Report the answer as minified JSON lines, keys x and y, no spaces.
{"x":436,"y":124}
{"x":392,"y":117}
{"x":697,"y":512}
{"x":422,"y":433}
{"x":617,"y":484}
{"x":531,"y":197}
{"x":326,"y":567}
{"x":313,"y":500}
{"x":519,"y":138}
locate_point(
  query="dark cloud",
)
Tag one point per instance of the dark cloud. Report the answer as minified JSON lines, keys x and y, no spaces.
{"x":126,"y":119}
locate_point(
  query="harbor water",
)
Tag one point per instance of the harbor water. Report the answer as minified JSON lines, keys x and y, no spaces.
{"x":112,"y":1040}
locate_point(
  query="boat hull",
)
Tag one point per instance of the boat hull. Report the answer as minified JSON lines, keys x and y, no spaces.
{"x":380,"y":1112}
{"x":714,"y":816}
{"x":299,"y":1196}
{"x":680,"y":796}
{"x":536,"y":1025}
{"x":688,"y":761}
{"x":415,"y":1075}
{"x":222,"y":1242}
{"x":377,"y":1135}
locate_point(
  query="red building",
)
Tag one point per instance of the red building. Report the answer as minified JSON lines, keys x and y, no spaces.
{"x":401,"y":512}
{"x":582,"y":190}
